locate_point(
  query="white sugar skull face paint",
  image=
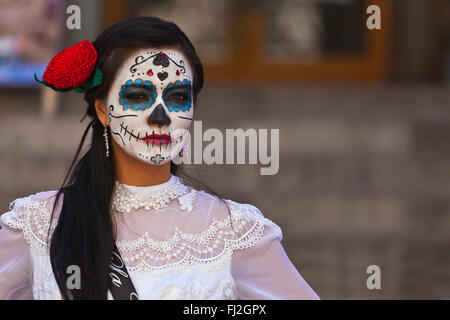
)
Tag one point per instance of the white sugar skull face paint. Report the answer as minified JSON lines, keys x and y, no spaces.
{"x":150,"y":105}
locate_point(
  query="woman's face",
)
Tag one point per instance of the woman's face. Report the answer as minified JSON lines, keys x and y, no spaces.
{"x":150,"y":105}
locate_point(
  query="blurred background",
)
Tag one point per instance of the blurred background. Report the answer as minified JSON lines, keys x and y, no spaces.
{"x":363,"y":115}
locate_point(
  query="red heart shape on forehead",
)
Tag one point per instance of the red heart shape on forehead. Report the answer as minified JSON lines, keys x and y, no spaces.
{"x":150,"y":72}
{"x":71,"y":67}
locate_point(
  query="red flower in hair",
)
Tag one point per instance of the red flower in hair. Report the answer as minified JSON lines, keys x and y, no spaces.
{"x":71,"y":67}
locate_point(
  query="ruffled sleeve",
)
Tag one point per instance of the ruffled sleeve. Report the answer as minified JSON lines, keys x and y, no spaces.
{"x":263,"y":271}
{"x":15,"y":265}
{"x":22,"y":232}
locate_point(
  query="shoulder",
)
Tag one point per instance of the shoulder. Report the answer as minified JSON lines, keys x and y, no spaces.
{"x":247,"y":218}
{"x":32,"y":215}
{"x":38,"y":204}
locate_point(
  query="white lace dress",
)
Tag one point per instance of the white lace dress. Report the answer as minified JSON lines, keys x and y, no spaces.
{"x":177,"y":243}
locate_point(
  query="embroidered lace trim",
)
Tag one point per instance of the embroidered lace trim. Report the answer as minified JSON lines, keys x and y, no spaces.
{"x":124,"y":201}
{"x":209,"y":250}
{"x":33,"y":218}
{"x":187,"y":201}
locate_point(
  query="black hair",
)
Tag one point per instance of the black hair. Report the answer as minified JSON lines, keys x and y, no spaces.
{"x":85,"y":232}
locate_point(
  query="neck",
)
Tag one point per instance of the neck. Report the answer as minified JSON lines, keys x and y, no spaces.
{"x":134,"y":172}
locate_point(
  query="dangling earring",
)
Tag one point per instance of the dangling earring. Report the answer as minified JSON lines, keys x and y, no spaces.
{"x":184,"y":149}
{"x":105,"y":134}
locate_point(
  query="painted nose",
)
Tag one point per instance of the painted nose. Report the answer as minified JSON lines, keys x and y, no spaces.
{"x":159,"y":117}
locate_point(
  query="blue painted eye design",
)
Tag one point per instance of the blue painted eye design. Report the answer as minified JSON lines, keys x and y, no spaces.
{"x":137,"y":95}
{"x":177,"y":96}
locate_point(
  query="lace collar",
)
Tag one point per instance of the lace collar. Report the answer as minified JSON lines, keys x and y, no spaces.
{"x":127,"y":198}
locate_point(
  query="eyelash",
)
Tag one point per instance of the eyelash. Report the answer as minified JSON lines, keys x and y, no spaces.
{"x":179,"y":95}
{"x":137,"y":96}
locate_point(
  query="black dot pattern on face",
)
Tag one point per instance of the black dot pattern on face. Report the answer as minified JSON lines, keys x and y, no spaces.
{"x":146,"y":157}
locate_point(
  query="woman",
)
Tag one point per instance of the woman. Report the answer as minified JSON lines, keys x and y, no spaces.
{"x":125,"y":203}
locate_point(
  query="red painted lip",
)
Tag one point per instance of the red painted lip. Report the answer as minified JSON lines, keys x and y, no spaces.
{"x":157,"y":139}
